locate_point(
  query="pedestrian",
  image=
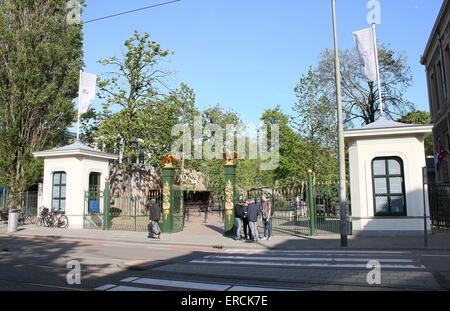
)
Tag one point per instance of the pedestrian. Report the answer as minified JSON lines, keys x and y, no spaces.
{"x":245,"y":223}
{"x":252,"y":214}
{"x":155,"y":216}
{"x":266,"y":215}
{"x":238,"y":219}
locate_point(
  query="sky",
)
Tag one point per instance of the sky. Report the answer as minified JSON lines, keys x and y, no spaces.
{"x":248,"y":55}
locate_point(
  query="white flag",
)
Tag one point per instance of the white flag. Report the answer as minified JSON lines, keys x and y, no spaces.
{"x":366,"y":49}
{"x":88,"y":82}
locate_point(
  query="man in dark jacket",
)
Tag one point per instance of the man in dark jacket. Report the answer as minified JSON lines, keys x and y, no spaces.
{"x":253,"y":213}
{"x":155,"y":216}
{"x":238,"y":219}
{"x":245,"y":222}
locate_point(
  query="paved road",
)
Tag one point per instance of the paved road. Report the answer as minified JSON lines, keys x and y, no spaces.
{"x":40,"y":264}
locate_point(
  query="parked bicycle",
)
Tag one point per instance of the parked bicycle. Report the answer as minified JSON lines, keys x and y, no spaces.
{"x":52,"y":219}
{"x":24,"y":218}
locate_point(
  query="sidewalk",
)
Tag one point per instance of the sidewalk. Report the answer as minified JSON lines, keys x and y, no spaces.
{"x":209,"y":235}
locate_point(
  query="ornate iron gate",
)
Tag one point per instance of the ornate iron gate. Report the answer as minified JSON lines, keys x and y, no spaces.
{"x":292,"y":215}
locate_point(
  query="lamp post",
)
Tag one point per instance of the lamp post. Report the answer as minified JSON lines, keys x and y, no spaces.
{"x":342,"y":188}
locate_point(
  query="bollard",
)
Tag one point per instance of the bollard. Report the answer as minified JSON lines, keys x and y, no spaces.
{"x":13,"y":218}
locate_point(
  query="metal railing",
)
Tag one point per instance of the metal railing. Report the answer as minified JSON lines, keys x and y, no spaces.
{"x":439,"y":199}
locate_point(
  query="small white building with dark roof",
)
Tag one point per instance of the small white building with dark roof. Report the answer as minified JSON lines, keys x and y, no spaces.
{"x":386,"y":186}
{"x":69,"y":171}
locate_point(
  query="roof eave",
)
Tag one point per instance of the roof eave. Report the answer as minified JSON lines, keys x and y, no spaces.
{"x":430,"y":39}
{"x":390,"y":131}
{"x":60,"y":153}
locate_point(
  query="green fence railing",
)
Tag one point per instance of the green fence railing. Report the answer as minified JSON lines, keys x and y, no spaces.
{"x":123,"y":212}
{"x":294,"y":214}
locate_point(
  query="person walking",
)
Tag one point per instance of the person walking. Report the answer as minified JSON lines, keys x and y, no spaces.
{"x":238,"y":219}
{"x":155,"y":216}
{"x":253,"y":213}
{"x":266,"y":215}
{"x":245,"y":223}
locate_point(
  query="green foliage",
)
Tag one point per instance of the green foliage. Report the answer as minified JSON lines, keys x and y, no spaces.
{"x":39,"y":69}
{"x":292,"y":167}
{"x":420,"y":117}
{"x":316,"y":124}
{"x":416,"y":117}
{"x":361,"y":99}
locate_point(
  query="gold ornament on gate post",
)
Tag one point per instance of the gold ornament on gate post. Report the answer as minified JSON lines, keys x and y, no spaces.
{"x":229,"y":157}
{"x":166,"y":199}
{"x":229,"y":199}
{"x":168,"y":160}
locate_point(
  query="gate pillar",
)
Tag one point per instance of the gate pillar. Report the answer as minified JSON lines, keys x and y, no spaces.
{"x":168,"y":179}
{"x":230,"y":192}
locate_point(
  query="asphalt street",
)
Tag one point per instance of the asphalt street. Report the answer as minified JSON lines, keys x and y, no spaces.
{"x":41,"y":264}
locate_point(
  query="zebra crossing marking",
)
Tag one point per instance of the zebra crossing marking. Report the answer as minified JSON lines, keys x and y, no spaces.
{"x":184,"y":284}
{"x":329,"y":259}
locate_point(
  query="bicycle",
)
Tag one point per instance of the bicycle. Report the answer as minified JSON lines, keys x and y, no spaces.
{"x":24,"y":218}
{"x":52,"y":219}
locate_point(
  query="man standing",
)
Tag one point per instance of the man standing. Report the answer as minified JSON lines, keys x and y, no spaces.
{"x":253,"y":213}
{"x":247,"y":231}
{"x":155,"y":216}
{"x":266,"y":214}
{"x":238,"y":219}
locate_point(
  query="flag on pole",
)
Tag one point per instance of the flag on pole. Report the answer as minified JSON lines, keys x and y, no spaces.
{"x":88,"y":82}
{"x":366,"y":49}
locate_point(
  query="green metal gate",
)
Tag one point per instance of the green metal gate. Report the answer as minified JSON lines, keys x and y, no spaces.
{"x":178,"y":211}
{"x":118,"y":212}
{"x":299,"y":212}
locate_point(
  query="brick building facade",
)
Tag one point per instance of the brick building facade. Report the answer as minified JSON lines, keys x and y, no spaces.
{"x":436,"y":59}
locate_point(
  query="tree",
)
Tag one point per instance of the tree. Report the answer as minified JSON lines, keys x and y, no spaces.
{"x":39,"y":68}
{"x":144,"y":112}
{"x":360,"y":98}
{"x":293,"y":155}
{"x":315,"y":121}
{"x":213,"y":169}
{"x":420,"y":117}
{"x":416,"y":117}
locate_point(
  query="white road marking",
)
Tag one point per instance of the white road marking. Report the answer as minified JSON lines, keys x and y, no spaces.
{"x":182,"y":284}
{"x":310,"y":258}
{"x":188,"y":285}
{"x":106,"y":287}
{"x":315,"y":265}
{"x":434,"y":255}
{"x":259,"y":289}
{"x":132,"y":289}
{"x":235,"y":250}
{"x":130,"y":279}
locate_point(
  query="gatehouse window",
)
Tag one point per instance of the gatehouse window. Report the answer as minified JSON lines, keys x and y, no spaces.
{"x":388,"y":186}
{"x":94,"y":181}
{"x":59,"y":191}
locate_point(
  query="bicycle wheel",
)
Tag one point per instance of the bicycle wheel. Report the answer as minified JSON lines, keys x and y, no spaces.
{"x":63,"y":221}
{"x":40,"y":222}
{"x":49,"y":221}
{"x":28,"y":219}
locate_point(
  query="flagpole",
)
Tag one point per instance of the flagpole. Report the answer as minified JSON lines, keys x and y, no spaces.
{"x":377,"y":64}
{"x":78,"y":118}
{"x":342,"y":173}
